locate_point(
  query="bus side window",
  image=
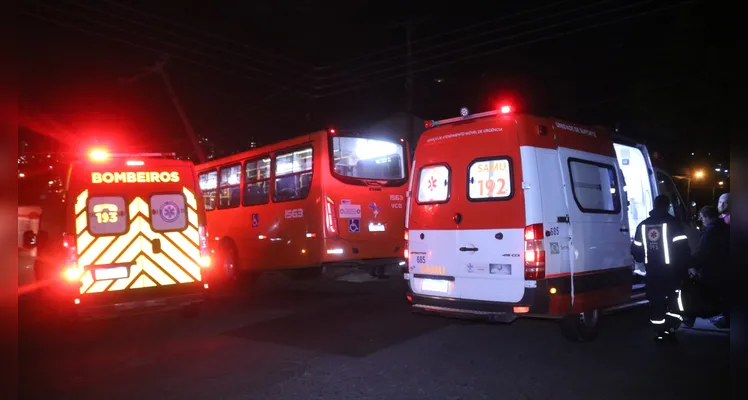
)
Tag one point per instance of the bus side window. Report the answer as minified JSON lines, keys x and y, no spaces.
{"x":257,"y":181}
{"x":293,"y":175}
{"x":229,"y":191}
{"x":208,"y":184}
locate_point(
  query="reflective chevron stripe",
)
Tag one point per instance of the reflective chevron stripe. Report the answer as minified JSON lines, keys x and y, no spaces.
{"x":178,"y":261}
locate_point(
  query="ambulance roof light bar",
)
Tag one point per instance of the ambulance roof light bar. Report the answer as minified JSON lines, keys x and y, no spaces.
{"x":465,"y":114}
{"x":101,"y":155}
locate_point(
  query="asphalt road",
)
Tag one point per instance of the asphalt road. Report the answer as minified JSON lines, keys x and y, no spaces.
{"x":341,"y":340}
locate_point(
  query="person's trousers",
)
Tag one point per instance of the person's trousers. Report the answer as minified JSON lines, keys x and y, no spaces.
{"x":661,"y":292}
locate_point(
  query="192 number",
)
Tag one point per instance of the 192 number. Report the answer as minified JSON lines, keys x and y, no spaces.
{"x":420,"y":259}
{"x":490,"y":185}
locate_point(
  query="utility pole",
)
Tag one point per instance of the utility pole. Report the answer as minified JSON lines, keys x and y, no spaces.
{"x":159,"y":68}
{"x":409,"y":24}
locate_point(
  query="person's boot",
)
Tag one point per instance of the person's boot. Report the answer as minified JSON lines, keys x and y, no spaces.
{"x":688,"y":321}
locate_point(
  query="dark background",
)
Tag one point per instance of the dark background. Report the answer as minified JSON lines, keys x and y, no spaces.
{"x":263,"y":71}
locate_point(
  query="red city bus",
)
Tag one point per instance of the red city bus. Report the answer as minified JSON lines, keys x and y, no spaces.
{"x":320,"y":199}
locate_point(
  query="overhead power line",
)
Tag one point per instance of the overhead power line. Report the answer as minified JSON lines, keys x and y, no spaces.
{"x":187,"y":27}
{"x":465,"y":39}
{"x":182,"y":57}
{"x":244,"y":55}
{"x":470,"y":47}
{"x":402,"y":47}
{"x":508,"y":47}
{"x":155,"y":51}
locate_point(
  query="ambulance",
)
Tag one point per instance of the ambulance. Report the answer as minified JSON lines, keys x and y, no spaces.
{"x":511,"y":214}
{"x":135,"y":235}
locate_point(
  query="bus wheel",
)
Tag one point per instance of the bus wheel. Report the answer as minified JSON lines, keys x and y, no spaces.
{"x":582,"y":327}
{"x":228,"y":257}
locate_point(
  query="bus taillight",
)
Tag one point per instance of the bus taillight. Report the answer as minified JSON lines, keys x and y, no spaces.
{"x":330,"y":221}
{"x":204,"y":251}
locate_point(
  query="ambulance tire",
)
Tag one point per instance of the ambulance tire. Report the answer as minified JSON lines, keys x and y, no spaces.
{"x":582,"y":327}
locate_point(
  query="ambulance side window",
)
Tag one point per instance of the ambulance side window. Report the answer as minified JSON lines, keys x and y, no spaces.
{"x":208,"y":184}
{"x":434,"y":184}
{"x":107,"y":216}
{"x":168,"y":212}
{"x":229,"y":191}
{"x":595,"y":187}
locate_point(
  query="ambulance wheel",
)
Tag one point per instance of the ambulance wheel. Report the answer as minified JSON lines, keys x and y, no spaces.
{"x":582,"y":327}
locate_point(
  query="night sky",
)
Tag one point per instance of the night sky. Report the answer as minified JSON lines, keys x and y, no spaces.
{"x":273,"y":70}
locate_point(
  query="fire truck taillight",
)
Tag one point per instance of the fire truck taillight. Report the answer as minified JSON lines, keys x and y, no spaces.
{"x":72,"y":274}
{"x":534,"y":252}
{"x":204,"y":251}
{"x":505,"y":109}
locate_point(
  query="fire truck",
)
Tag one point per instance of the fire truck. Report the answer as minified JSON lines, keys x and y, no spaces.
{"x":134,"y":236}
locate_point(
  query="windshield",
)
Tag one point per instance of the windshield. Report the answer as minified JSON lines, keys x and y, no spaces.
{"x":368,"y":158}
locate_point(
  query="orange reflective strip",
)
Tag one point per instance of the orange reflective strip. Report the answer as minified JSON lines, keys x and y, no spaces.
{"x":80,"y":202}
{"x":190,"y":198}
{"x":138,"y":283}
{"x":99,"y":286}
{"x":192,"y":234}
{"x":191,"y":249}
{"x":122,"y":283}
{"x":139,"y":206}
{"x":147,"y":282}
{"x":86,"y":281}
{"x":84,"y":240}
{"x":167,"y":265}
{"x":156,"y":273}
{"x":192,"y":217}
{"x":88,"y":257}
{"x":119,"y":246}
{"x":81,"y":222}
{"x":174,"y":253}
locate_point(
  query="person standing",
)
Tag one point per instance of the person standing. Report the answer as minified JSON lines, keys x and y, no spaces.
{"x":723,"y":206}
{"x":661,"y":244}
{"x":712,"y":258}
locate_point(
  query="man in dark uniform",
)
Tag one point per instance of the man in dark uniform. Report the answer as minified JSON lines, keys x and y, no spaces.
{"x":661,"y":244}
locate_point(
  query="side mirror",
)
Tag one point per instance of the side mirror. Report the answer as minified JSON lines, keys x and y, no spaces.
{"x":29,"y":240}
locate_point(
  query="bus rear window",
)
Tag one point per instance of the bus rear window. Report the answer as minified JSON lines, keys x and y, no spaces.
{"x":208,"y":184}
{"x":368,"y":158}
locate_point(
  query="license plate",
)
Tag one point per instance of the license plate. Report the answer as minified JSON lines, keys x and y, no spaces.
{"x":435,"y":285}
{"x":111,"y":273}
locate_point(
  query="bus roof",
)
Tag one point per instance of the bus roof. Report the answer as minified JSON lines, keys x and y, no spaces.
{"x":258,"y":151}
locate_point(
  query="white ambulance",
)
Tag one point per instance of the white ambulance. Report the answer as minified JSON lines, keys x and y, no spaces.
{"x":511,"y":214}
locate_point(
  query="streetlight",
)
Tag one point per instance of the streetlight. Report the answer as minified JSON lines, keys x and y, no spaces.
{"x":697,"y":175}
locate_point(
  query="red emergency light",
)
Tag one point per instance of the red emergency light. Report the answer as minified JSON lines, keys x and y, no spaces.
{"x":505,"y":109}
